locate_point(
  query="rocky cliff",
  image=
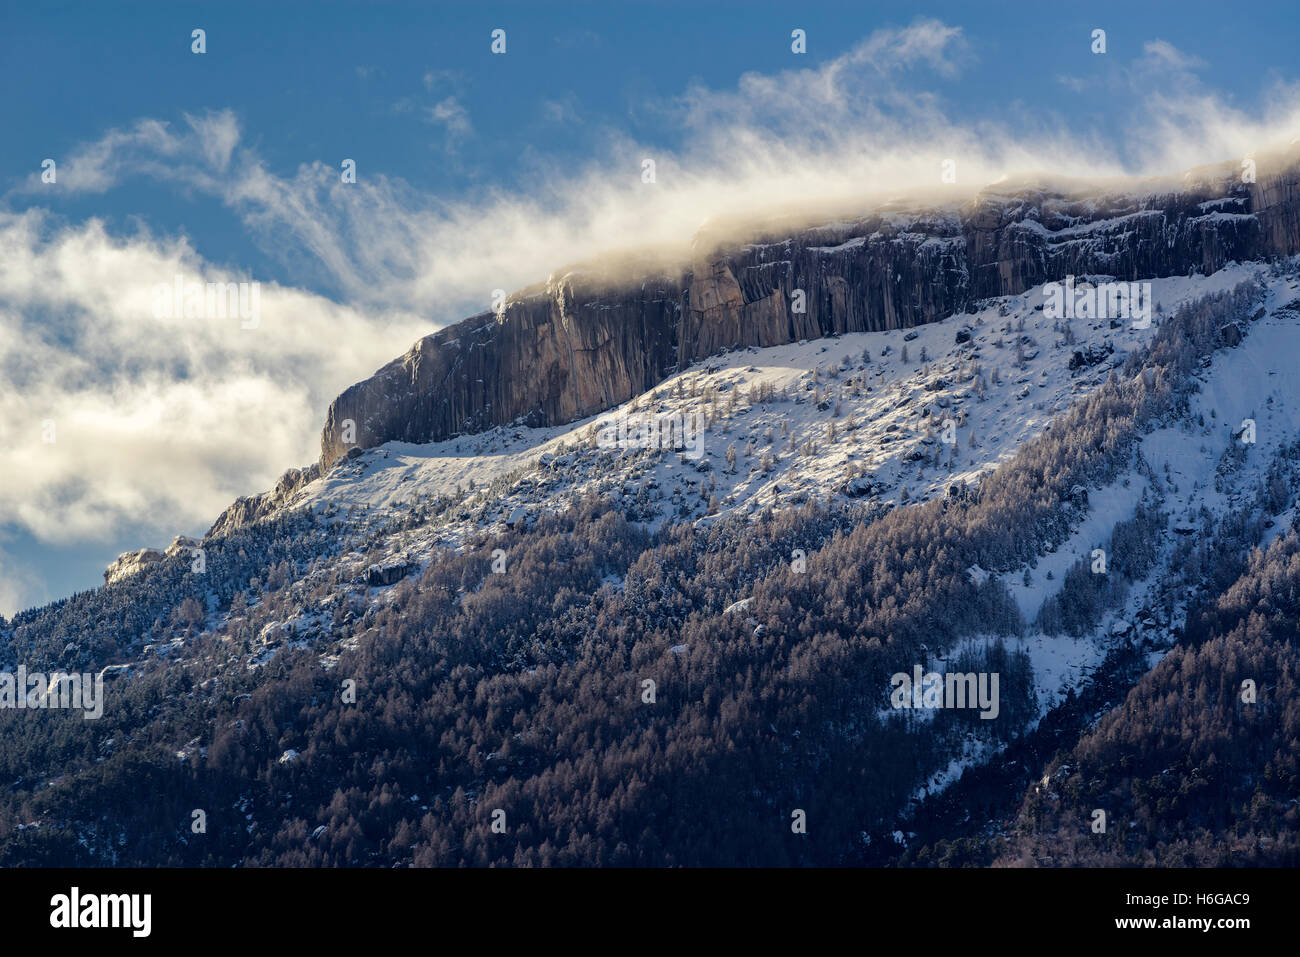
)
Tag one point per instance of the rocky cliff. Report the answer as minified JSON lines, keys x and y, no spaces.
{"x":128,"y":563}
{"x":586,"y":339}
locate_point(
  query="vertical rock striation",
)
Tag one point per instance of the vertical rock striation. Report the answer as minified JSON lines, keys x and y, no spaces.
{"x":585,"y":341}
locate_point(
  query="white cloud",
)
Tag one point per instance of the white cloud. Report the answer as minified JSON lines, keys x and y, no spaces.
{"x":859,"y":125}
{"x":838,"y":133}
{"x":160,"y":421}
{"x":443,"y":79}
{"x":450,"y":113}
{"x":1164,"y":55}
{"x":193,"y":154}
{"x":561,"y":111}
{"x":1076,"y":84}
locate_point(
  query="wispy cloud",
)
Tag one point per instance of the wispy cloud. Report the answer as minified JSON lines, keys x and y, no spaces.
{"x":562,"y":111}
{"x":120,"y":415}
{"x":196,"y":152}
{"x":1166,"y":56}
{"x":450,"y":113}
{"x":865,"y":123}
{"x":1076,"y":84}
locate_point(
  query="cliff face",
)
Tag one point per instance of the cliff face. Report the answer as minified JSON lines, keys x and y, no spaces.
{"x":584,"y":342}
{"x":556,"y":353}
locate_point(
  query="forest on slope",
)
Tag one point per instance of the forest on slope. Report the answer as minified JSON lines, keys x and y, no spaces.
{"x":524,"y":692}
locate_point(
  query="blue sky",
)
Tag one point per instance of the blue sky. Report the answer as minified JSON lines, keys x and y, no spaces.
{"x":477,"y":171}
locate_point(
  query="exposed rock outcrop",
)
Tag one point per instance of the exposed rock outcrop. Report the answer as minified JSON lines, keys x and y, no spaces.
{"x":128,"y":563}
{"x":249,"y":508}
{"x":586,"y":340}
{"x":389,"y":574}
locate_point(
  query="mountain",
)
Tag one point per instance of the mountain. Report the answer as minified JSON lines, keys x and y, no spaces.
{"x":592,"y":337}
{"x":589,"y":338}
{"x":517,"y":600}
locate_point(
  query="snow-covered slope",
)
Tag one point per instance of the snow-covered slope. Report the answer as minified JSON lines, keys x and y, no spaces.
{"x":861,"y":416}
{"x":881,"y":419}
{"x":1258,"y":380}
{"x":1201,"y":468}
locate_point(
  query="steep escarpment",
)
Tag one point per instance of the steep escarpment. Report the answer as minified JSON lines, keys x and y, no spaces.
{"x":248,"y":509}
{"x":558,"y":352}
{"x":586,"y":340}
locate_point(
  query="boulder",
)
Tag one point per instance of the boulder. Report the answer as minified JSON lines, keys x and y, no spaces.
{"x":389,"y":573}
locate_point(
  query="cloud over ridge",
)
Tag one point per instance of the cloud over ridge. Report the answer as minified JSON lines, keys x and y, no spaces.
{"x":162,"y":422}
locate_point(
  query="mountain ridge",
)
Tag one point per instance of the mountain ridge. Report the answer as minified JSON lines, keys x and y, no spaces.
{"x":583,"y":341}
